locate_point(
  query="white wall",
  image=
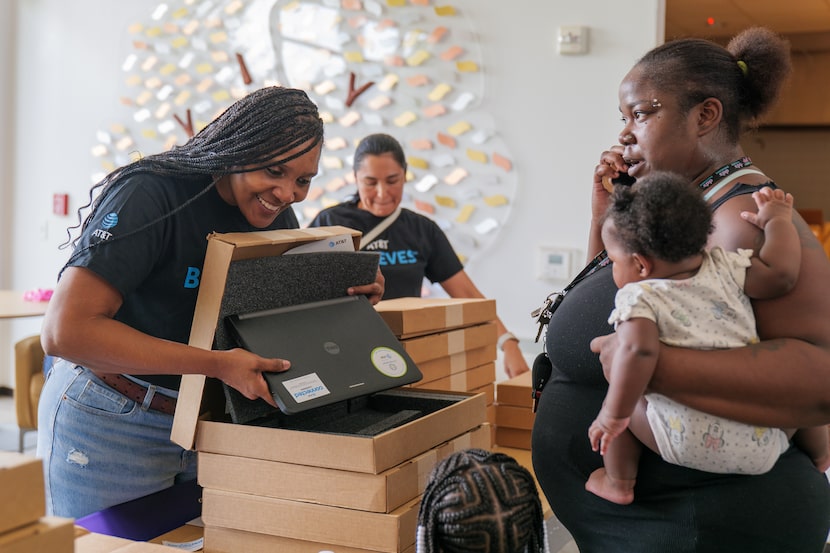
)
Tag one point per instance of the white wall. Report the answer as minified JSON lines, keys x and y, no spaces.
{"x":557,"y":113}
{"x":7,"y":188}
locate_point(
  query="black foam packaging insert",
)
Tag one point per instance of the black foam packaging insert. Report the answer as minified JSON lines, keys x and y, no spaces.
{"x":278,"y":281}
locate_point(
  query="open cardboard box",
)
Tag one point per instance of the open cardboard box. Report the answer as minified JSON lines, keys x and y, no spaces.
{"x":200,"y":420}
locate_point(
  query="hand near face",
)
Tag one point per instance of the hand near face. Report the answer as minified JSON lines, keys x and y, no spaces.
{"x":610,"y":166}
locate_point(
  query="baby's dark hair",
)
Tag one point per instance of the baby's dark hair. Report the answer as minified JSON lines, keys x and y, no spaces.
{"x":379,"y":144}
{"x":747,"y":76}
{"x":662,"y":216}
{"x":478,"y":501}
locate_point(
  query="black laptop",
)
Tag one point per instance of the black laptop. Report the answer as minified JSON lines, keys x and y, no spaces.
{"x":339,"y":349}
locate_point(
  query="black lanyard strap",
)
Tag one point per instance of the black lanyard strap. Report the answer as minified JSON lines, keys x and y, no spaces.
{"x":544,"y":313}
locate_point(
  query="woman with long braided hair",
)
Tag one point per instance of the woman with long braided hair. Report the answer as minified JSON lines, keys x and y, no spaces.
{"x":120,"y":317}
{"x":478,"y":501}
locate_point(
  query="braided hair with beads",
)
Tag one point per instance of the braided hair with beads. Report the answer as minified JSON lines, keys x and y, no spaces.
{"x":252,"y":134}
{"x":480,"y":501}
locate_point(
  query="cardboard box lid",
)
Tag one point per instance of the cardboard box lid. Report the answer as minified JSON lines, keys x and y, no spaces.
{"x":247,"y":245}
{"x":409,"y":317}
{"x":221,"y":251}
{"x":515,"y":391}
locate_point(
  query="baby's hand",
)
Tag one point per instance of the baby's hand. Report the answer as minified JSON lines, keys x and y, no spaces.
{"x":771,"y":203}
{"x":604,"y":429}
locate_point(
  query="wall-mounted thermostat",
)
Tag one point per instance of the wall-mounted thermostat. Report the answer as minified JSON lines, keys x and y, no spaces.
{"x":554,"y":263}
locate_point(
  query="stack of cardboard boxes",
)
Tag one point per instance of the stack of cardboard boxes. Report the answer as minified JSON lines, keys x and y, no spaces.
{"x":351,"y":494}
{"x":24,"y":526}
{"x":514,"y":412}
{"x":299,"y":491}
{"x":451,"y":340}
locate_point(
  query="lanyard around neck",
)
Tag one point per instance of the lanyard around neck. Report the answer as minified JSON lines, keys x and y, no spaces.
{"x":724,"y":171}
{"x":727,"y":180}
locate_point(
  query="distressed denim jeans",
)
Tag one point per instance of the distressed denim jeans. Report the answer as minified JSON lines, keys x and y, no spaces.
{"x":100,"y":448}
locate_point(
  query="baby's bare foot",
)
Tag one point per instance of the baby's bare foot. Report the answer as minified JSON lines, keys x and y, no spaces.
{"x":615,"y":490}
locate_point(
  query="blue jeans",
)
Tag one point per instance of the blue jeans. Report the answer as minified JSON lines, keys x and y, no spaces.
{"x":100,"y":448}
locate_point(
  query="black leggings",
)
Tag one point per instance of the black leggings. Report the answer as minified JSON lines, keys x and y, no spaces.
{"x":676,"y":509}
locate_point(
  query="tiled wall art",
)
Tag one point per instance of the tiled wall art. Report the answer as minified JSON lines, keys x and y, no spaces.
{"x":410,"y":68}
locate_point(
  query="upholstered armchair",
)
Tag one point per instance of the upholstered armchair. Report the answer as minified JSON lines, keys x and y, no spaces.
{"x":28,"y":381}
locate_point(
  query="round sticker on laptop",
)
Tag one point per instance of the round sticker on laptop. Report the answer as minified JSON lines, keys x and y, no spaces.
{"x":389,"y":362}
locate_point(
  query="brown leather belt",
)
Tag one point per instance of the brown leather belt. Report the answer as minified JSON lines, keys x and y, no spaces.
{"x":136,"y":392}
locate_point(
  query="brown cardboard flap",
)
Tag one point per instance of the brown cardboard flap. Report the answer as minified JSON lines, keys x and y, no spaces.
{"x":277,"y":242}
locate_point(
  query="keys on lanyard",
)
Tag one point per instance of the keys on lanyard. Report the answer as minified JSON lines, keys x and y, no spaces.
{"x":544,"y":313}
{"x":542,"y":366}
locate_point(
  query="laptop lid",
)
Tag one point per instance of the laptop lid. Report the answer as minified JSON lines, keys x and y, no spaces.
{"x":339,"y":349}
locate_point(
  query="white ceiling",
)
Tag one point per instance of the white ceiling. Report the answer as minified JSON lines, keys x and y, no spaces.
{"x":805,"y":22}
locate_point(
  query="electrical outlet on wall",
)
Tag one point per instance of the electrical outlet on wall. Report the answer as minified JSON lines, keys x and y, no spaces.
{"x":573,"y":39}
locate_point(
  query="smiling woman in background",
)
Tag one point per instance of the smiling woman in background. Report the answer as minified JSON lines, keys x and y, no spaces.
{"x":411,"y":246}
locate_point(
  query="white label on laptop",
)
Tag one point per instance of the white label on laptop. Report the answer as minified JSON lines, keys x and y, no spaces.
{"x":388,"y":361}
{"x":306,"y":387}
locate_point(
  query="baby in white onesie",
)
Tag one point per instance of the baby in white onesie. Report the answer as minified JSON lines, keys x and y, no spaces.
{"x":674,"y":291}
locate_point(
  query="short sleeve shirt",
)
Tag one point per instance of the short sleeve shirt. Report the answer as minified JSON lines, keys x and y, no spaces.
{"x":148,"y":239}
{"x":411,"y":248}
